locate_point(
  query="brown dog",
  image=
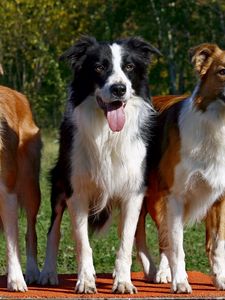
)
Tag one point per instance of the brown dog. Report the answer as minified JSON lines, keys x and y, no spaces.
{"x":187,"y":182}
{"x":20,"y":147}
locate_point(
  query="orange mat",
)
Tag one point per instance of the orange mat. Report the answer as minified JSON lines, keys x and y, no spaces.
{"x":201,"y":285}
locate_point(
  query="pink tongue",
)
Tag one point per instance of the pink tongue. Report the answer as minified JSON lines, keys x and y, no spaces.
{"x":116,"y":118}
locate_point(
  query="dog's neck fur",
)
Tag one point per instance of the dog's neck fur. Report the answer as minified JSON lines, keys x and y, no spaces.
{"x":106,"y":150}
{"x":202,"y":151}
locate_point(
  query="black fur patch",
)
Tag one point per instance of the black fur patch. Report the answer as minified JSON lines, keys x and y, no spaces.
{"x":83,"y":57}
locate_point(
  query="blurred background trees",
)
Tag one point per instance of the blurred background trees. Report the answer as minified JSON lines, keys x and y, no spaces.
{"x":33,"y":34}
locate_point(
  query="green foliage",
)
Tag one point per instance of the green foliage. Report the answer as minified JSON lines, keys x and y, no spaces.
{"x":33,"y":36}
{"x":35,"y":33}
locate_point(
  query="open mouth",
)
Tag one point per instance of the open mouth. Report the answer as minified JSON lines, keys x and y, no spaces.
{"x":114,"y":112}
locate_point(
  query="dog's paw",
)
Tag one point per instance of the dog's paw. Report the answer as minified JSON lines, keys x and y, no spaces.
{"x":163,"y":276}
{"x":181,"y":287}
{"x":32,"y":275}
{"x":219,"y":281}
{"x":16,"y":284}
{"x":150,"y":277}
{"x":124,"y":287}
{"x":85,"y":286}
{"x":150,"y":274}
{"x":46,"y":278}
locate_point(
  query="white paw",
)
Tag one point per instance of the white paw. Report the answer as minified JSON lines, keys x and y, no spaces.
{"x":123,"y":287}
{"x":163,"y":275}
{"x":46,"y":278}
{"x":219,"y":281}
{"x":16,"y":284}
{"x":149,"y":268}
{"x":86,"y":286}
{"x":181,"y":287}
{"x":32,"y":275}
{"x":122,"y":282}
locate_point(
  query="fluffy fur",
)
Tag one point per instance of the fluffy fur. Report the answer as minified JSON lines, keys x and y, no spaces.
{"x":188,"y":176}
{"x":104,"y":140}
{"x":20,"y":146}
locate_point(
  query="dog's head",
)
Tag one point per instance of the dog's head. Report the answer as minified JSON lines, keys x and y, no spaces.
{"x":111,"y":72}
{"x":209,"y":62}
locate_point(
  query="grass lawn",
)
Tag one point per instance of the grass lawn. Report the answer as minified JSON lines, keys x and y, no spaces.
{"x":104,"y":247}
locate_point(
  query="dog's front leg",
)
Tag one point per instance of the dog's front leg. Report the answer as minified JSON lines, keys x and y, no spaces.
{"x":176,"y":253}
{"x":9,"y":215}
{"x":78,"y":209}
{"x":142,"y":249}
{"x":130,"y":210}
{"x":215,"y":241}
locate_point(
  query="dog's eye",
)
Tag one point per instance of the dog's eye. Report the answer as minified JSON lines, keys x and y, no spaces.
{"x":222,"y":72}
{"x":129,"y":67}
{"x":99,"y":68}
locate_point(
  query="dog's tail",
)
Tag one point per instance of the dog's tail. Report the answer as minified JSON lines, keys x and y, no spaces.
{"x":98,"y":222}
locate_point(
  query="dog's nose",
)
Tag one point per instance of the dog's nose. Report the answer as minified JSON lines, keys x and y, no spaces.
{"x":118,"y":89}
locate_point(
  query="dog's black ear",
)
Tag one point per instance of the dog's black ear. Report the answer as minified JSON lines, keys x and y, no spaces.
{"x":77,"y":51}
{"x":201,"y":57}
{"x":145,"y":48}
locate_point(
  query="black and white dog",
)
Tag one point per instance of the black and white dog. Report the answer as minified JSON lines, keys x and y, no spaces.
{"x":103,"y":152}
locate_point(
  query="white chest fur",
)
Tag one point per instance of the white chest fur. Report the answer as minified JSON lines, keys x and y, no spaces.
{"x":105,"y":164}
{"x":200,"y":175}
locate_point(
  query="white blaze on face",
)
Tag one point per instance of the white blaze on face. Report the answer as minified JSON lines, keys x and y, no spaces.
{"x":118,"y":76}
{"x":114,"y":107}
{"x":115,"y":113}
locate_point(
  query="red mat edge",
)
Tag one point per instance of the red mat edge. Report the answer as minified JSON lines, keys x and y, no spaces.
{"x":201,"y":284}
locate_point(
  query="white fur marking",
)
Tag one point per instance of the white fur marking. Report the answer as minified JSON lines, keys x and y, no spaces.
{"x":130,"y":211}
{"x":103,"y":160}
{"x":163,"y":274}
{"x":104,"y":172}
{"x":78,"y":209}
{"x":176,"y":253}
{"x":199,"y":177}
{"x":218,"y":264}
{"x":49,"y":272}
{"x":117,"y":76}
{"x":9,"y":215}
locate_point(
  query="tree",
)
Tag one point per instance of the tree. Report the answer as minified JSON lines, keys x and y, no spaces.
{"x":35,"y":33}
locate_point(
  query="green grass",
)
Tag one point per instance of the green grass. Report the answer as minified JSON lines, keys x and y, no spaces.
{"x":104,"y":247}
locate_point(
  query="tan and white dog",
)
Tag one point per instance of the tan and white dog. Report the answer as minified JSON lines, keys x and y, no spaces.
{"x":187,"y":180}
{"x":20,"y":147}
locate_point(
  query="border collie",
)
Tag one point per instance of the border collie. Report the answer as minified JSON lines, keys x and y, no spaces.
{"x":20,"y":147}
{"x":189,"y":173}
{"x":104,"y":138}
